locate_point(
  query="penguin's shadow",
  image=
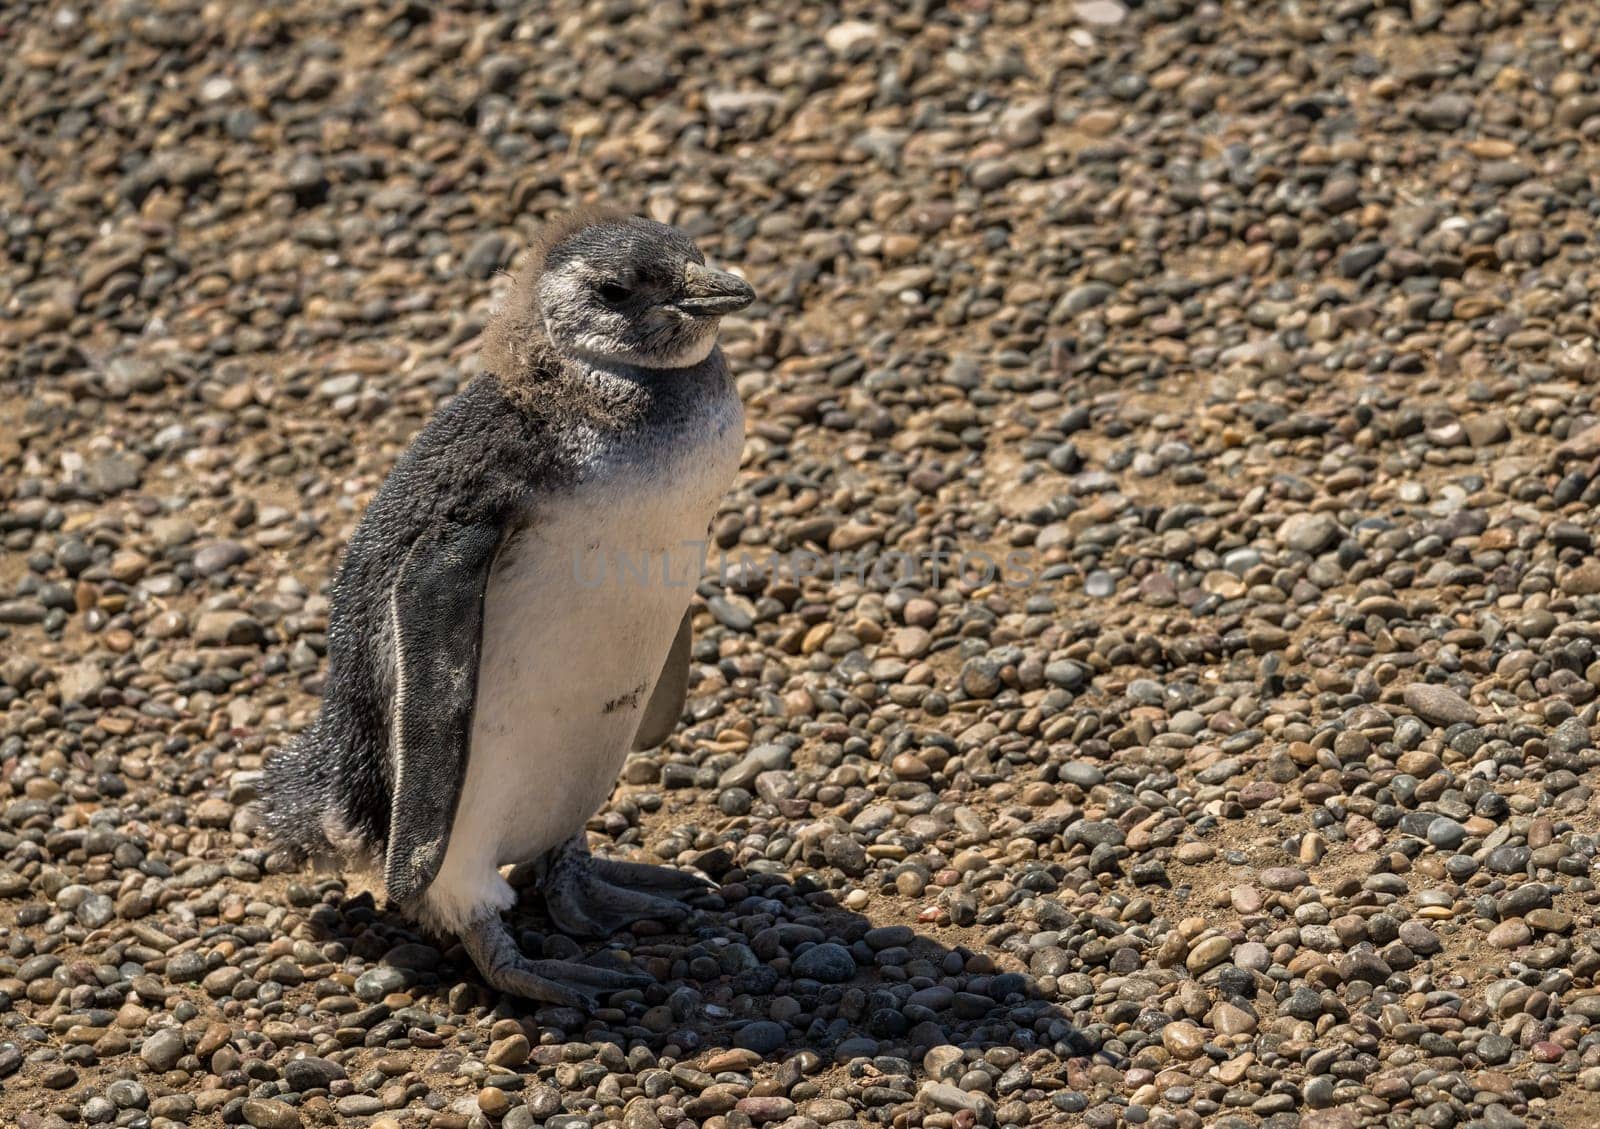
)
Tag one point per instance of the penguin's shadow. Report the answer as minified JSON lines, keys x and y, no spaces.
{"x":778,"y":969}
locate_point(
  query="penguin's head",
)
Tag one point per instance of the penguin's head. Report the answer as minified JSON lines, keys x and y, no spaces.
{"x":622,"y":289}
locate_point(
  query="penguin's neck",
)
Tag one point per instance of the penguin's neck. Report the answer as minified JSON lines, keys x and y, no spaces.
{"x":689,"y":356}
{"x":643,"y":394}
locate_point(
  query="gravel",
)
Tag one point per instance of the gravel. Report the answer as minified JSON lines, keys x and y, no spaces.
{"x":1251,"y":347}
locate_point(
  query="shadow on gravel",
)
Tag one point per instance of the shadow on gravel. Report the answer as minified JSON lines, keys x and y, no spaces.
{"x":767,"y":969}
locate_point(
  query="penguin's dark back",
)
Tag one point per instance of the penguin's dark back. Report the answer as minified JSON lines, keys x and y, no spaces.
{"x":328,"y":789}
{"x":471,"y":464}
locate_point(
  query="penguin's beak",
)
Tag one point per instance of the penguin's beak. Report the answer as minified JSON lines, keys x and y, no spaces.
{"x":710,"y":293}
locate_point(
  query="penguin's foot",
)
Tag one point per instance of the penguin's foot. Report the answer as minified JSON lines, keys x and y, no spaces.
{"x":503,"y":966}
{"x":590,"y":897}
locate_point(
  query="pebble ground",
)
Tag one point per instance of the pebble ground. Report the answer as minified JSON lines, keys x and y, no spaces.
{"x":1259,"y":792}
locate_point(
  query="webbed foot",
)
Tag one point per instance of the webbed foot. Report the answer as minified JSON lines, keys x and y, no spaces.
{"x":503,"y":966}
{"x":592,"y":897}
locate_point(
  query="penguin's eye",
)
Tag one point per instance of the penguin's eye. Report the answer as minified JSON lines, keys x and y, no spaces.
{"x":614,"y":292}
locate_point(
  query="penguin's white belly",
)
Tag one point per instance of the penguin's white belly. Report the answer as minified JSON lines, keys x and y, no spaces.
{"x":581,"y":610}
{"x":565,"y":671}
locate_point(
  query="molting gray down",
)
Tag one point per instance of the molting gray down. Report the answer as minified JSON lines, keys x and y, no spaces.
{"x":479,"y":701}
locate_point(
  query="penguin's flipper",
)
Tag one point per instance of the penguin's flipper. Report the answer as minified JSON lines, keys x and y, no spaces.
{"x":436,"y":624}
{"x":665,"y":707}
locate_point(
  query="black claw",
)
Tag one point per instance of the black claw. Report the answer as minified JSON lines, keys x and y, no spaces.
{"x":644,"y":876}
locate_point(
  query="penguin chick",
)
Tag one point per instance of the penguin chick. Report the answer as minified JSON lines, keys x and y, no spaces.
{"x":494,"y":645}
